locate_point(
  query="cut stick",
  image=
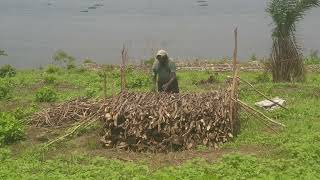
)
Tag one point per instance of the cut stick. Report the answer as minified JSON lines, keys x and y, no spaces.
{"x":72,"y":131}
{"x":262,"y":120}
{"x":258,"y":112}
{"x":234,"y":80}
{"x":262,"y":93}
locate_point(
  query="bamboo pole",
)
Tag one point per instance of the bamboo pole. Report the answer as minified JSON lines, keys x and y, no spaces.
{"x":262,"y":93}
{"x":258,"y":112}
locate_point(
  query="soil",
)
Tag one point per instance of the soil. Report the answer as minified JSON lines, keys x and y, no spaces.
{"x":88,"y":143}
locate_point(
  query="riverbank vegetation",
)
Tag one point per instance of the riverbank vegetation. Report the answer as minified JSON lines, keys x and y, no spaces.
{"x":258,"y":152}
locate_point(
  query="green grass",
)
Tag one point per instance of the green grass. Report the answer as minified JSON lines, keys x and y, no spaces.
{"x":294,"y":153}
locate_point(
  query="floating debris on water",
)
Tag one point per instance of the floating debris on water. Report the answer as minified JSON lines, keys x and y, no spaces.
{"x":203,"y":5}
{"x":92,"y":7}
{"x":98,"y":5}
{"x":202,"y":1}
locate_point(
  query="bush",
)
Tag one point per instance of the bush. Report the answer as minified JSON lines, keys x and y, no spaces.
{"x":262,"y":78}
{"x":52,"y":69}
{"x":5,"y":88}
{"x":71,"y":65}
{"x":7,"y":71}
{"x":138,"y":81}
{"x":149,"y":62}
{"x":91,"y":92}
{"x":11,"y":129}
{"x":46,"y":94}
{"x":49,"y":79}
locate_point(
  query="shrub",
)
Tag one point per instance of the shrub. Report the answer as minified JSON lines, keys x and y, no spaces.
{"x":262,"y":78}
{"x":138,"y":81}
{"x":91,"y":92}
{"x":52,"y":69}
{"x":71,"y":65}
{"x":22,"y":113}
{"x":88,"y":61}
{"x":46,"y":94}
{"x":7,"y":71}
{"x":149,"y":62}
{"x":49,"y":79}
{"x":5,"y":153}
{"x":5,"y":88}
{"x":11,"y":129}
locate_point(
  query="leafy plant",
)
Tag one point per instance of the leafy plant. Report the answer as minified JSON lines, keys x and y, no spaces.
{"x":263,"y":78}
{"x":5,"y":88}
{"x":52,"y":69}
{"x":3,"y":53}
{"x":50,"y":79}
{"x":46,"y":94}
{"x":149,"y":62}
{"x":88,"y":61}
{"x":64,"y":59}
{"x":138,"y":81}
{"x":11,"y":129}
{"x":253,"y":57}
{"x":7,"y":71}
{"x":91,"y":92}
{"x":313,"y":57}
{"x":286,"y":57}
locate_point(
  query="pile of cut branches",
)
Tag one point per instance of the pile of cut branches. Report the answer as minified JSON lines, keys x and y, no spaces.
{"x":167,"y":122}
{"x":150,"y":121}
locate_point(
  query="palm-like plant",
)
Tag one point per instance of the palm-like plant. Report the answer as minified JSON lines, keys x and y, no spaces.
{"x":286,"y":58}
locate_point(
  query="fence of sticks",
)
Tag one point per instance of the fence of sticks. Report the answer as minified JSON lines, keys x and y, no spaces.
{"x":152,"y":122}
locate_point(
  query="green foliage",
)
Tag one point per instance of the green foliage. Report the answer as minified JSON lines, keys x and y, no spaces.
{"x":3,"y":53}
{"x":6,"y":87}
{"x":52,"y":69}
{"x":11,"y":129}
{"x":5,"y":153}
{"x":313,"y":58}
{"x":7,"y":71}
{"x":286,"y":58}
{"x":23,"y":113}
{"x":64,"y":59}
{"x":91,"y":92}
{"x":88,"y":61}
{"x":135,"y":80}
{"x":49,"y":79}
{"x":263,"y":78}
{"x":149,"y":62}
{"x":46,"y":94}
{"x":286,"y":13}
{"x":253,"y":57}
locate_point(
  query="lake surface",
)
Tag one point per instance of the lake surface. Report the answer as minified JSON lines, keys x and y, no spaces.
{"x":32,"y":30}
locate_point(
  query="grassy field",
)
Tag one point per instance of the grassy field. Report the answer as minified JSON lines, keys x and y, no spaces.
{"x":257,"y":153}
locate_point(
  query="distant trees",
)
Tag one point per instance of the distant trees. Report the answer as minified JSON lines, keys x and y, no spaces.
{"x":63,"y":59}
{"x":286,"y":58}
{"x":3,"y":53}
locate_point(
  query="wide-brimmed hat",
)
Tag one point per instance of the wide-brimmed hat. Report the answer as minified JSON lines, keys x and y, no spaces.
{"x":162,"y":53}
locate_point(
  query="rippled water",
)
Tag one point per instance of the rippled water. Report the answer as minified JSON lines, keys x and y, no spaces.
{"x":32,"y":30}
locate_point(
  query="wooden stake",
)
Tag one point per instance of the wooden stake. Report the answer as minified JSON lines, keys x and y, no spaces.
{"x":234,"y":81}
{"x":105,"y":84}
{"x":124,"y":58}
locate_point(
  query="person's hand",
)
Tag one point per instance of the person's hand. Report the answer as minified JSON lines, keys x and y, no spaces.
{"x":165,"y":87}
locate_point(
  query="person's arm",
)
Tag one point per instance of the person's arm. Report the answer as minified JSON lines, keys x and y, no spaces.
{"x":154,"y":77}
{"x":173,"y":76}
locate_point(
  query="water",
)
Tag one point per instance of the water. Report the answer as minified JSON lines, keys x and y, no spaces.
{"x":32,"y":30}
